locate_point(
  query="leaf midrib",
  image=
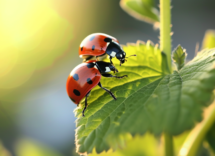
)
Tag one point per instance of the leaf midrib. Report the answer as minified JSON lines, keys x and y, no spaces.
{"x":147,"y":98}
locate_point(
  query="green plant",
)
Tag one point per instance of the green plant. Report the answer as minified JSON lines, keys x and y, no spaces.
{"x":155,"y":98}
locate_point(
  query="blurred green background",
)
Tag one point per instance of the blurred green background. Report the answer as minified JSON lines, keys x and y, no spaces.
{"x":39,"y":42}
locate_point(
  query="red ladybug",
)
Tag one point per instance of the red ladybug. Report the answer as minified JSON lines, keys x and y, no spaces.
{"x":99,"y":44}
{"x":84,"y":77}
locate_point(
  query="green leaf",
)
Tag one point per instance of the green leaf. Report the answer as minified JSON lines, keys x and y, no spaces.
{"x":146,"y":145}
{"x":143,"y":10}
{"x":148,"y":100}
{"x":179,"y":56}
{"x":209,"y":39}
{"x":195,"y":138}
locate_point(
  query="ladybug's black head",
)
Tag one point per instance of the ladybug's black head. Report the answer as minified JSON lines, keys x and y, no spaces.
{"x":121,"y":56}
{"x":115,"y":50}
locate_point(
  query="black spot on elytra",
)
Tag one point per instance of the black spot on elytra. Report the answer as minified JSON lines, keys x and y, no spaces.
{"x":107,"y":39}
{"x":92,"y":38}
{"x":75,"y":77}
{"x":89,"y":81}
{"x":76,"y":92}
{"x":93,"y":47}
{"x":72,"y":99}
{"x":82,"y":48}
{"x":90,"y":65}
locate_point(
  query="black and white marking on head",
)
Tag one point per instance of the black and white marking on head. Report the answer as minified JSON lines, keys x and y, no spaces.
{"x":89,"y":81}
{"x":76,"y":92}
{"x":107,"y":69}
{"x":90,"y":65}
{"x":92,"y":38}
{"x":108,"y":39}
{"x":113,"y":54}
{"x":93,"y":47}
{"x":75,"y":77}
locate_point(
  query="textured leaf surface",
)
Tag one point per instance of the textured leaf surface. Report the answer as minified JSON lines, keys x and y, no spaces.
{"x":147,"y":100}
{"x":143,"y":10}
{"x":179,"y":56}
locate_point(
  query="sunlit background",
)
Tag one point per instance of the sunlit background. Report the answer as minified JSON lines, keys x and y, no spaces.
{"x":39,"y":42}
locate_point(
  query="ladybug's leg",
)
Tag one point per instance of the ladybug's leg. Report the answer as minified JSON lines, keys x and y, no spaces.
{"x":111,"y":60}
{"x":105,"y":67}
{"x":85,"y":103}
{"x":118,"y":77}
{"x":97,"y":58}
{"x":88,"y":58}
{"x":114,"y":69}
{"x":100,"y":85}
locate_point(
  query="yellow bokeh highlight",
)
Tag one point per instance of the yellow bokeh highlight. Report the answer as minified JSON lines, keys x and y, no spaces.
{"x":7,"y":60}
{"x":29,"y":147}
{"x":32,"y":37}
{"x":24,"y":18}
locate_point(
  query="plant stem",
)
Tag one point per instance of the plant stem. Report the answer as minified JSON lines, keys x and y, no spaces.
{"x":165,"y":29}
{"x":165,"y":46}
{"x":197,"y":135}
{"x":168,"y":143}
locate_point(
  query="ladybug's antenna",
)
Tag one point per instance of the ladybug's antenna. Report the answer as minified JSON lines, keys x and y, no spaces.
{"x":130,"y":56}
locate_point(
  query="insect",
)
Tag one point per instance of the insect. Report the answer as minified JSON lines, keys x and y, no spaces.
{"x":99,"y":44}
{"x":84,"y":77}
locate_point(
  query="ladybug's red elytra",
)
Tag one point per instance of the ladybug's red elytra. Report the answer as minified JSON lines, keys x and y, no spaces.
{"x":99,"y":44}
{"x":84,"y":77}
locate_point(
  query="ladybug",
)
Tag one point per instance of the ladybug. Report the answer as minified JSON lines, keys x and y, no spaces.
{"x":84,"y":77}
{"x":99,"y":44}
